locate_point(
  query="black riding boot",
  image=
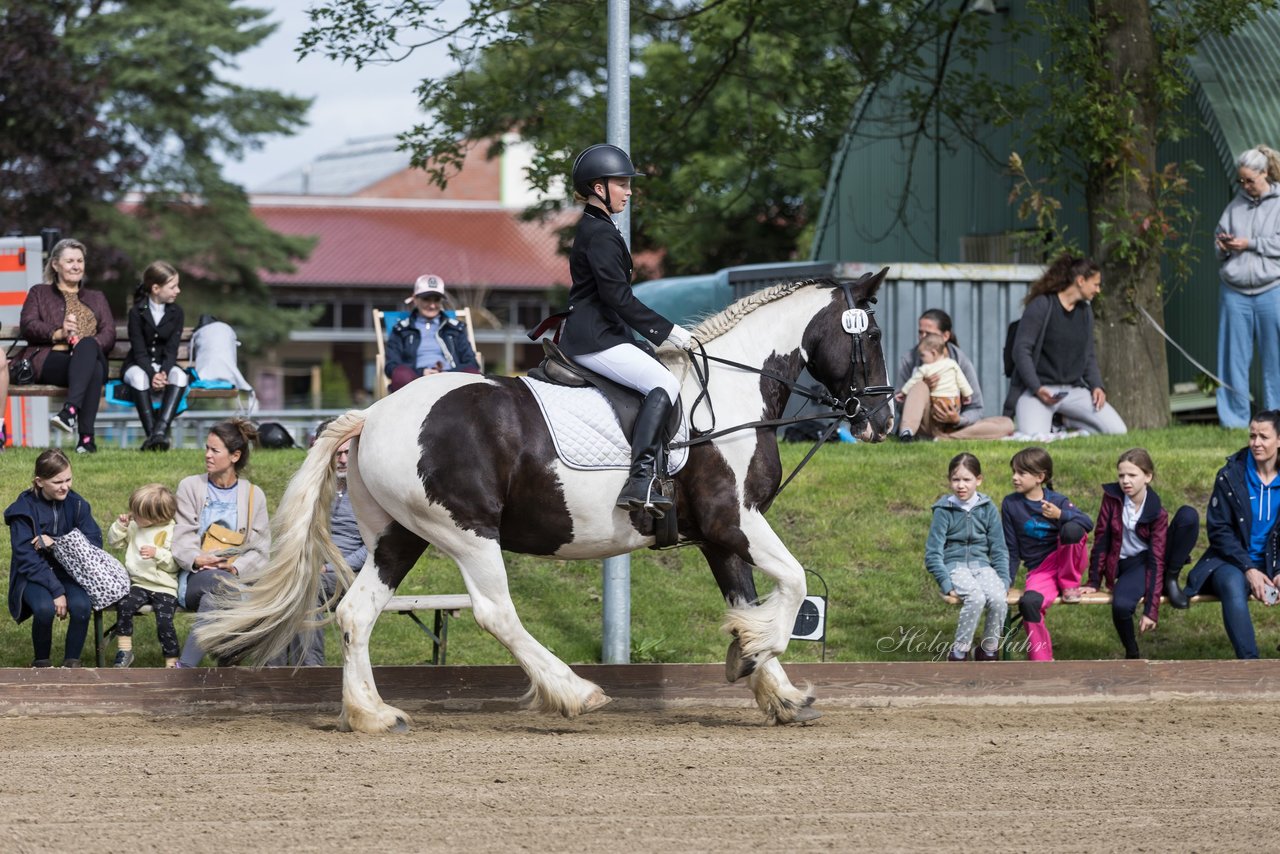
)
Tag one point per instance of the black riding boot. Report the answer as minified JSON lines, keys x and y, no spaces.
{"x":1173,"y":590}
{"x":641,"y":491}
{"x":146,"y":414}
{"x":160,"y":435}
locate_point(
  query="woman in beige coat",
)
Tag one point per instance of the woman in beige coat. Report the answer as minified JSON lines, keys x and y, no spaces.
{"x":220,"y":496}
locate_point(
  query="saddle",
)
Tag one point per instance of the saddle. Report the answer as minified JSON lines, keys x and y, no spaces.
{"x":559,"y":369}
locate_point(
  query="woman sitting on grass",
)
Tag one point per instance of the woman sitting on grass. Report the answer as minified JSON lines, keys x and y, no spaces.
{"x":221,"y":497}
{"x":39,"y":587}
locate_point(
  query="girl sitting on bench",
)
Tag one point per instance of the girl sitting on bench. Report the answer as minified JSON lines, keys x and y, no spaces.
{"x":966,"y":553}
{"x":1134,"y":543}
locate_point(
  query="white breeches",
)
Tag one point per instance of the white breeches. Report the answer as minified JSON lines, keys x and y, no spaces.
{"x":136,"y":378}
{"x":630,"y":366}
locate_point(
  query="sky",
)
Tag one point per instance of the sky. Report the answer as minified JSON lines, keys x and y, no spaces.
{"x":375,"y":100}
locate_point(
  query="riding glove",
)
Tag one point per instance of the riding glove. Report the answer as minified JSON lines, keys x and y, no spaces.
{"x":680,"y":337}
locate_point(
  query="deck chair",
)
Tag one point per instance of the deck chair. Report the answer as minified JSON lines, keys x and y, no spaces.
{"x":382,"y":323}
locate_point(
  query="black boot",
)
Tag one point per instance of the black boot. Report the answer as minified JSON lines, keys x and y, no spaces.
{"x":641,"y":491}
{"x":160,"y":435}
{"x":146,"y":414}
{"x":1173,"y":590}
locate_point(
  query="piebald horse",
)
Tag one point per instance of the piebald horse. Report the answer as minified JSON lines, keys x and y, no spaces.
{"x":466,"y":463}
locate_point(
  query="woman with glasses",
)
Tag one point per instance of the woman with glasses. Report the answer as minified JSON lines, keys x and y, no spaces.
{"x":925,"y":417}
{"x":1248,"y":245}
{"x":430,"y":340}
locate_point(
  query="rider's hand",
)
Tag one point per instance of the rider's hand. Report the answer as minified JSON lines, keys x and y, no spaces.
{"x":680,"y":337}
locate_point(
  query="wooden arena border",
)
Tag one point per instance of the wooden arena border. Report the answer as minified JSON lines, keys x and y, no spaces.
{"x":491,"y":688}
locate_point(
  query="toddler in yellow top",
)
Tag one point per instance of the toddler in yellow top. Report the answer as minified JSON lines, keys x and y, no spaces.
{"x":146,"y":532}
{"x":934,"y":362}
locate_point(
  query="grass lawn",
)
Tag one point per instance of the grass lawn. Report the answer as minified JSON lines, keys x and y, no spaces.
{"x":858,"y":515}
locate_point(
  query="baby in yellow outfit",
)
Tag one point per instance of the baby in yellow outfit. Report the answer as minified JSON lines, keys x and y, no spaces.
{"x":935,"y":362}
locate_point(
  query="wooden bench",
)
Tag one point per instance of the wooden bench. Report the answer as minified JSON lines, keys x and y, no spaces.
{"x":444,"y":606}
{"x":1098,"y":598}
{"x":11,"y":335}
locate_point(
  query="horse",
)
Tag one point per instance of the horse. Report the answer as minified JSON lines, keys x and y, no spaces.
{"x":466,"y":463}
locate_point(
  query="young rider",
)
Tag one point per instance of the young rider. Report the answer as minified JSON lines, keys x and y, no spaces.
{"x":603,"y":311}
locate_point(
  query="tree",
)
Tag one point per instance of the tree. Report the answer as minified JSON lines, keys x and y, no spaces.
{"x":52,"y":141}
{"x":1111,"y":94}
{"x":115,"y":113}
{"x":737,"y":108}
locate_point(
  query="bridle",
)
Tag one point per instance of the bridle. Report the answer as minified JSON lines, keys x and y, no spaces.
{"x":856,"y":322}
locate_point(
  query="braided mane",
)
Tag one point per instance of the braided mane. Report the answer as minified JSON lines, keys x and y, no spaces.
{"x":718,"y":324}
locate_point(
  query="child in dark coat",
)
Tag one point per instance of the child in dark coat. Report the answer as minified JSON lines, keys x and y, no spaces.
{"x":1134,"y":542}
{"x":39,"y":587}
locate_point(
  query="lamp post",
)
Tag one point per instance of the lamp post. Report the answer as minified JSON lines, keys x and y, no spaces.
{"x":616,"y":641}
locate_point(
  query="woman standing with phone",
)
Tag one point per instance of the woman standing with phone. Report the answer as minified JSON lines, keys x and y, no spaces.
{"x":1248,"y":245}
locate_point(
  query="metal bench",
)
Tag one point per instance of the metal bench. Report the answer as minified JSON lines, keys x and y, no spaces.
{"x":444,"y":606}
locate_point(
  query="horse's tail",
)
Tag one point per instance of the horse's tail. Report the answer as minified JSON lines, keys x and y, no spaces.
{"x":258,"y":619}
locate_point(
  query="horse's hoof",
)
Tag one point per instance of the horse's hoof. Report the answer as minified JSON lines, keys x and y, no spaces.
{"x":400,"y":727}
{"x":735,"y":666}
{"x":803,"y":715}
{"x":598,"y":700}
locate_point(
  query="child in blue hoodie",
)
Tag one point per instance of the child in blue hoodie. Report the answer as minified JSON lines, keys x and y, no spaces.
{"x":1044,"y":530}
{"x":966,"y":553}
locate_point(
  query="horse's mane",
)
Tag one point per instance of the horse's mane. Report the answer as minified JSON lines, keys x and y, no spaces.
{"x":718,"y":324}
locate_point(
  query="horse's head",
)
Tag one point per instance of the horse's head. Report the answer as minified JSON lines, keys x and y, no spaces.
{"x":843,"y":352}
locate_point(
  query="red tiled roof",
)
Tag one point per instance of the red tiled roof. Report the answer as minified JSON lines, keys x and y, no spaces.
{"x":368,"y":244}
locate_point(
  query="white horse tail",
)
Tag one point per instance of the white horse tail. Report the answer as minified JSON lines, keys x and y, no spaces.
{"x":257,"y":619}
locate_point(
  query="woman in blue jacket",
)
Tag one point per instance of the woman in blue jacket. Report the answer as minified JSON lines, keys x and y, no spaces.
{"x":430,"y":340}
{"x":1241,"y":522}
{"x":39,"y":587}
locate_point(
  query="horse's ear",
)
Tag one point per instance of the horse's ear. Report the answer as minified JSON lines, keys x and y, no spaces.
{"x":872,"y":285}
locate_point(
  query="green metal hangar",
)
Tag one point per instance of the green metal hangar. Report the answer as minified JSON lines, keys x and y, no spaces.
{"x":950,"y":204}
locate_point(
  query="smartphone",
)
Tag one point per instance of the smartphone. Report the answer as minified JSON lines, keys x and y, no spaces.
{"x":1062,"y":395}
{"x":1270,"y":594}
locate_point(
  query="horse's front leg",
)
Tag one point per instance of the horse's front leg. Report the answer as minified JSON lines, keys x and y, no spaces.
{"x":765,"y":630}
{"x":775,"y":695}
{"x":395,"y":553}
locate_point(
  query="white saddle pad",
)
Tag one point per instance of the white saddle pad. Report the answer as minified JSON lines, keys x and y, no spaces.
{"x":586,"y":432}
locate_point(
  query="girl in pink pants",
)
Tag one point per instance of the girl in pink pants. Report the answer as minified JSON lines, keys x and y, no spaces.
{"x":1045,"y":531}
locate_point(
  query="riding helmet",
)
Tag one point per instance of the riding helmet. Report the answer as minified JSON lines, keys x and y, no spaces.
{"x":600,"y":161}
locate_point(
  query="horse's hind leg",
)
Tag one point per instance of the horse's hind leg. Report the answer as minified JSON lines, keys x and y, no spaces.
{"x":783,"y":702}
{"x":396,"y":551}
{"x":554,"y":688}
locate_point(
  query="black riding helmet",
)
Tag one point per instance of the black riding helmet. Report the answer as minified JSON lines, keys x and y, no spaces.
{"x":601,"y":161}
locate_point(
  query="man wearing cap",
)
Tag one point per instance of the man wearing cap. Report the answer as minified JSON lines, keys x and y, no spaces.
{"x":430,"y":340}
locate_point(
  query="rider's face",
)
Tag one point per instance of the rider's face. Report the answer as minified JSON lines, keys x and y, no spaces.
{"x":619,"y":193}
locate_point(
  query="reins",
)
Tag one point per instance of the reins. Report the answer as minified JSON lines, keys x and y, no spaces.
{"x":855,"y":321}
